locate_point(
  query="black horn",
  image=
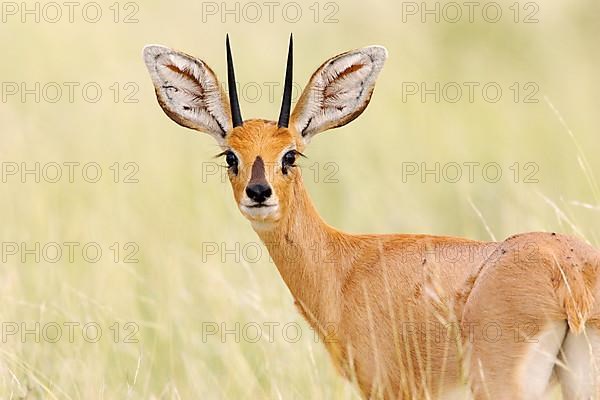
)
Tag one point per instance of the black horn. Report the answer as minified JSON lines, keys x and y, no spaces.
{"x":286,"y":103}
{"x":236,"y":115}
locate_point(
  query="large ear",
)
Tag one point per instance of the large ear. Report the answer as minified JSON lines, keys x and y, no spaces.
{"x":338,"y":91}
{"x":188,"y":91}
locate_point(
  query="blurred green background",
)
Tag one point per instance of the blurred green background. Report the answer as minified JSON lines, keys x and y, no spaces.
{"x":199,"y":265}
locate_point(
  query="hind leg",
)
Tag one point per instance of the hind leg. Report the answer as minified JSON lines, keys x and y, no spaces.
{"x":512,"y":368}
{"x":579,"y":372}
{"x":579,"y":369}
{"x":514,"y":327}
{"x":513,"y":354}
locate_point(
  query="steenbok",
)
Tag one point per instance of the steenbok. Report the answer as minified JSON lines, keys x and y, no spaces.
{"x":404,"y":316}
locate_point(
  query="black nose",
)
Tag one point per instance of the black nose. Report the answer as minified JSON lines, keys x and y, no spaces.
{"x":258,"y":192}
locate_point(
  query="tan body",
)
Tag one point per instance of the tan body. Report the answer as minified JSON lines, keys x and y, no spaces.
{"x":389,"y":306}
{"x":404,"y":316}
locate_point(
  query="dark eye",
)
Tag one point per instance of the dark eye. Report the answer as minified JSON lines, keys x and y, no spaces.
{"x":288,"y":160}
{"x":231,"y":161}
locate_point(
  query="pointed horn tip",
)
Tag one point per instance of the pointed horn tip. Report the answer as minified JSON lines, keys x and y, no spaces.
{"x":236,"y":114}
{"x":284,"y":114}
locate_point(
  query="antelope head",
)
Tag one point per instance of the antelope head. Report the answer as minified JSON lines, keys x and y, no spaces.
{"x":261,"y":154}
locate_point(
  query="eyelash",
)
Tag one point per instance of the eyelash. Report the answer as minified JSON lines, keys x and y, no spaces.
{"x":284,"y":167}
{"x":233,"y":167}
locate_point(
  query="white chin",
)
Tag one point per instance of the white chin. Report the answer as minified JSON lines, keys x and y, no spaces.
{"x":260,"y":213}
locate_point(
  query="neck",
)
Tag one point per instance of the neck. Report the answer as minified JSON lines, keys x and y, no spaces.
{"x":308,"y":254}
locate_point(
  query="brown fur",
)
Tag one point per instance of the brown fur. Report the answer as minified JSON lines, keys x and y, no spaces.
{"x":405,"y":316}
{"x":390,"y":307}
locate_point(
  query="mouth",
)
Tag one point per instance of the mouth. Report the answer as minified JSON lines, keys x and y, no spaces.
{"x":259,"y":210}
{"x":260,"y":205}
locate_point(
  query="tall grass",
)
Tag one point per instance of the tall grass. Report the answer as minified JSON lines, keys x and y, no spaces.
{"x":176,"y":291}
